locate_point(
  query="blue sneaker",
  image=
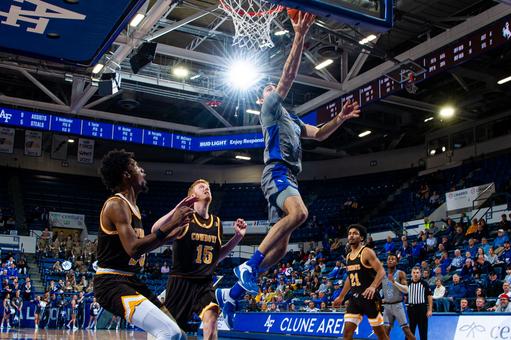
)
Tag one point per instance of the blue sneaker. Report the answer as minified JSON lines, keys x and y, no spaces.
{"x":247,"y":278}
{"x":227,"y":305}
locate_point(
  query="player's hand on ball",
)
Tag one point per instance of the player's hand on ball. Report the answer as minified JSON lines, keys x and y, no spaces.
{"x":240,"y":227}
{"x":350,"y":110}
{"x":369,"y":293}
{"x":303,"y":22}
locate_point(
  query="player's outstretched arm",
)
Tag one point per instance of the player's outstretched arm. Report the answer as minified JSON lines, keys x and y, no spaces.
{"x":240,"y":229}
{"x":301,"y":27}
{"x":119,"y":215}
{"x":350,"y":110}
{"x":369,"y":257}
{"x":186,"y":202}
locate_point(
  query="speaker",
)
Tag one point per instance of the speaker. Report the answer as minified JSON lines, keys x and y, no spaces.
{"x":143,"y":56}
{"x":109,"y":84}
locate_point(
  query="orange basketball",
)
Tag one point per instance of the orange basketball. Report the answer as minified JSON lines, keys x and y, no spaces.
{"x":293,"y":14}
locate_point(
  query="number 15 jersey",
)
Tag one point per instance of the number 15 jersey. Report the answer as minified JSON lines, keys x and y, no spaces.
{"x":195,"y":253}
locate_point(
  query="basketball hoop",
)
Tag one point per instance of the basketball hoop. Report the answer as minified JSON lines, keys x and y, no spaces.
{"x":252,"y":21}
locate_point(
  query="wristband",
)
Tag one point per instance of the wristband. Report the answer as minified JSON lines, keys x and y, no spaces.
{"x":160,"y":235}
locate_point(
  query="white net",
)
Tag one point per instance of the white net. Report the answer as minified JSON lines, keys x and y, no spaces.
{"x":252,"y":21}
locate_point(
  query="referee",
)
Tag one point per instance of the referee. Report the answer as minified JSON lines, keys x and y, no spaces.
{"x":420,"y":304}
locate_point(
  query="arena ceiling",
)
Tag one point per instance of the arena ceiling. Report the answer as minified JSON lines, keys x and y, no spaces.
{"x":195,"y":33}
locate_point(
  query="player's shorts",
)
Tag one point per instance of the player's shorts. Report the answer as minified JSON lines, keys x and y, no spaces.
{"x":360,"y":306}
{"x":393,"y":312}
{"x":278,"y":183}
{"x":121,"y":294}
{"x":186,"y":296}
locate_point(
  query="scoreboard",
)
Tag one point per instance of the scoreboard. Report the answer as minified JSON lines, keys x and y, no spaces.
{"x":462,"y":50}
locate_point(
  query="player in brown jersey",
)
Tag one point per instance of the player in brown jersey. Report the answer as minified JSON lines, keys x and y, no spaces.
{"x":122,"y":245}
{"x":196,"y":254}
{"x":365,"y":273}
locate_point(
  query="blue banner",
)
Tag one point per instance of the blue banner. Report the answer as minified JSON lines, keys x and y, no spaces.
{"x":441,"y":326}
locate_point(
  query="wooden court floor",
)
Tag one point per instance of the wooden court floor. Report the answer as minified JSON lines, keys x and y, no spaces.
{"x":58,"y":334}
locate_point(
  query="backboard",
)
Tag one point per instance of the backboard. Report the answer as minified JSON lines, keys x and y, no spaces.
{"x":375,"y":15}
{"x":70,"y":31}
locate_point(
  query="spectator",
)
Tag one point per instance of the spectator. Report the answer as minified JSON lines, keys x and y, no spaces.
{"x":57,"y":268}
{"x":273,"y":308}
{"x":165,"y":269}
{"x":12,"y":272}
{"x":291,"y":308}
{"x":446,"y":243}
{"x":480,"y":305}
{"x":370,"y":242}
{"x":491,"y":257}
{"x":389,"y":245}
{"x":417,"y":251}
{"x":431,"y":243}
{"x":438,"y":276}
{"x":481,"y":266}
{"x":472,"y":248}
{"x":324,"y":308}
{"x":439,"y":302}
{"x":311,"y":308}
{"x":457,"y":261}
{"x":499,"y":241}
{"x":22,"y":266}
{"x":505,"y":289}
{"x":457,"y":289}
{"x":336,"y":271}
{"x":434,"y":199}
{"x":445,"y":262}
{"x":464,"y":306}
{"x":493,"y":285}
{"x":508,"y":274}
{"x":485,"y":245}
{"x":473,"y":228}
{"x":504,"y":223}
{"x":464,"y":220}
{"x":504,"y":306}
{"x":467,"y":271}
{"x":458,"y":238}
{"x":482,"y":230}
{"x":505,"y":256}
{"x":28,"y":291}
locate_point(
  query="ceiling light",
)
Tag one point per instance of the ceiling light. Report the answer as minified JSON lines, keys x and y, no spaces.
{"x":428,"y":119}
{"x":324,"y":64}
{"x":432,"y":152}
{"x":365,"y":133}
{"x":137,"y":20}
{"x":443,"y":149}
{"x":282,"y":32}
{"x":243,"y":74}
{"x":243,"y":158}
{"x":197,"y":76}
{"x":180,"y":72}
{"x":503,"y":81}
{"x":97,"y":68}
{"x":70,"y":140}
{"x":447,"y":112}
{"x":254,"y":112}
{"x":367,"y":39}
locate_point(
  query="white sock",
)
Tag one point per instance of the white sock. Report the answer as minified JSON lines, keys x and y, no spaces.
{"x":155,"y":322}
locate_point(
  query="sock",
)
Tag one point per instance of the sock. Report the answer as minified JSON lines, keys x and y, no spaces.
{"x":236,"y":292}
{"x":256,"y":260}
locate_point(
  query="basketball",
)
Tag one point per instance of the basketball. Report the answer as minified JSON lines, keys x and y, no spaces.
{"x":293,"y":14}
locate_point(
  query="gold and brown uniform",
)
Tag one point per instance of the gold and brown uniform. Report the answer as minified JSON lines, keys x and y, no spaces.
{"x":116,"y":286}
{"x":361,"y":277}
{"x":195,"y":256}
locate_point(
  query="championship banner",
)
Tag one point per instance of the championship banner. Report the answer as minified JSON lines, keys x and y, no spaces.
{"x":33,"y":143}
{"x":85,"y":151}
{"x":66,"y":220}
{"x":6,"y":140}
{"x":59,"y":147}
{"x":458,"y":201}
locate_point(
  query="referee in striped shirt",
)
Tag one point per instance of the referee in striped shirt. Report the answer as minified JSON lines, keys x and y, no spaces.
{"x":420,"y":304}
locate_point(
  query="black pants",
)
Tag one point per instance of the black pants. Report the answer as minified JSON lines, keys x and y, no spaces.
{"x":417,"y":315}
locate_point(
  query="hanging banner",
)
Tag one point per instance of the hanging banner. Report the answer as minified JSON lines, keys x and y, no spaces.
{"x":85,"y":151}
{"x":33,"y":143}
{"x":65,"y":220}
{"x":460,"y":200}
{"x":6,"y":140}
{"x":59,"y":147}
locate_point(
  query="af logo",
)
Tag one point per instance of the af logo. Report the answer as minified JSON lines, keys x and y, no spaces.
{"x":269,"y":323}
{"x":472,"y":329}
{"x":39,"y":18}
{"x":6,"y":117}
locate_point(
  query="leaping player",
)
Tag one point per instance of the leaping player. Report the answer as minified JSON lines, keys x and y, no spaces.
{"x":282,"y":157}
{"x":365,"y":274}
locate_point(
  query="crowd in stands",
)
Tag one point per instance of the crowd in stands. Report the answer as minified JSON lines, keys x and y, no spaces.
{"x":7,"y":220}
{"x":467,"y":266}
